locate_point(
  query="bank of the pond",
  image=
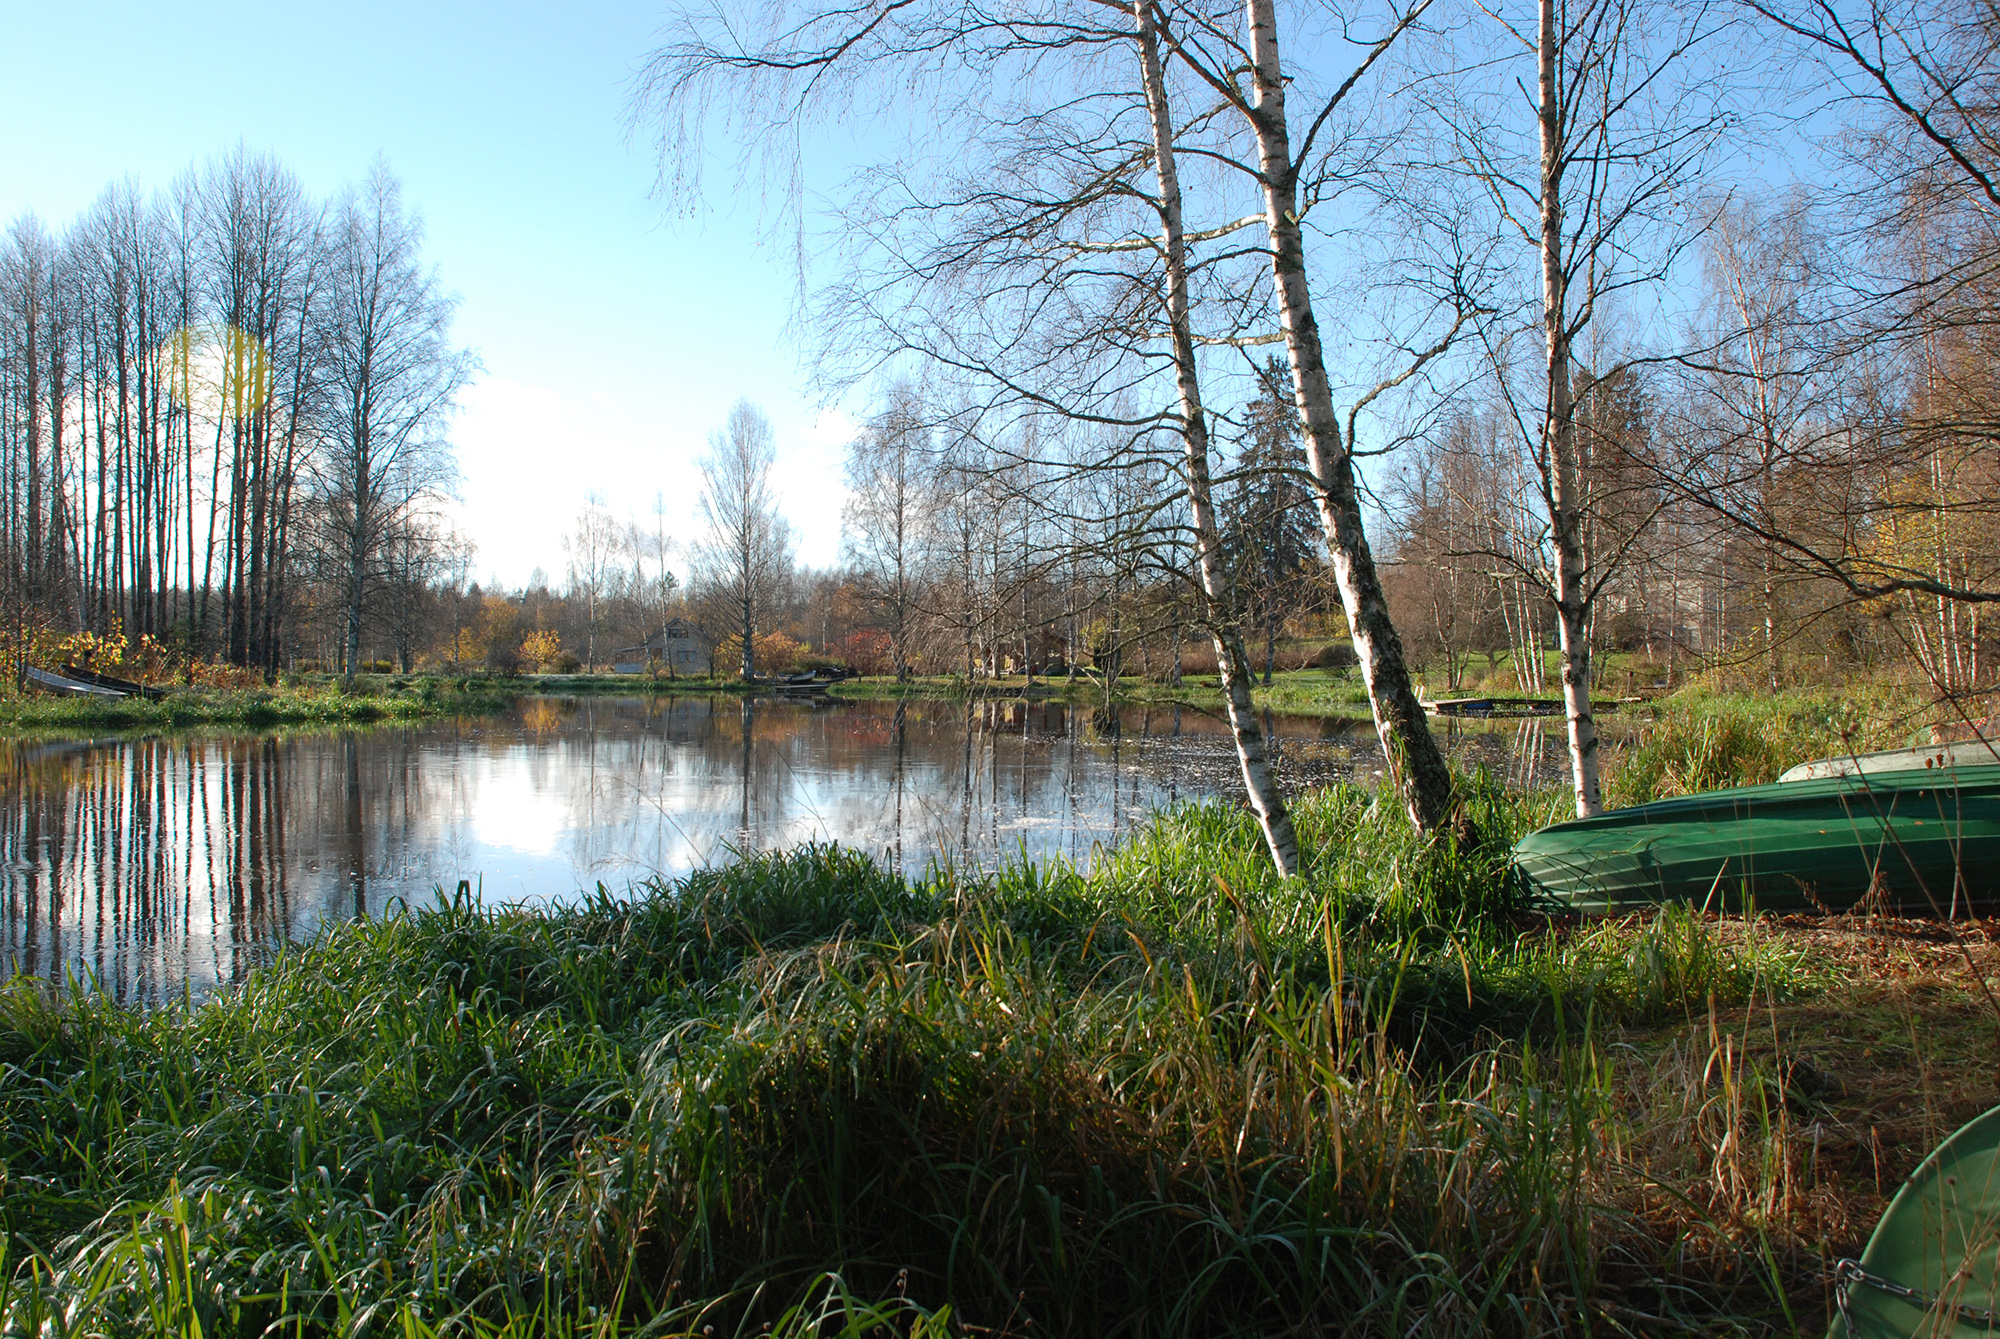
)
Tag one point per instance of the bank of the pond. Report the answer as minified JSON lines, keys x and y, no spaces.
{"x":1168,"y":1094}
{"x":1704,"y":738}
{"x":868,"y":689}
{"x":372,"y":698}
{"x":1698,"y":740}
{"x":1310,"y":692}
{"x":1314,"y":692}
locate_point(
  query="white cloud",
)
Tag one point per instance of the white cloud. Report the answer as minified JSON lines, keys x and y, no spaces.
{"x":530,"y":456}
{"x":812,"y":488}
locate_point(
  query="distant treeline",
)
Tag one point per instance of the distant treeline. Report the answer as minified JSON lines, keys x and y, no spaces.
{"x":221,"y":416}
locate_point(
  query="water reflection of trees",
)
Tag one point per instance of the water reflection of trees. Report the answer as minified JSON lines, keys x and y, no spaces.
{"x":143,"y":863}
{"x":158,"y":863}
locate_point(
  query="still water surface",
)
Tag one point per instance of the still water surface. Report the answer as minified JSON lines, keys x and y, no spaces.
{"x":161,"y":863}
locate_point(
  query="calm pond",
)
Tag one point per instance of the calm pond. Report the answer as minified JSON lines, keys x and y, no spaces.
{"x":168,"y":862}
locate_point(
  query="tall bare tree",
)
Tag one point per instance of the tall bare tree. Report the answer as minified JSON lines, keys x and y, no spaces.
{"x":654,"y":547}
{"x":748,"y":551}
{"x":1246,"y":74}
{"x":1596,"y":190}
{"x":887,"y":527}
{"x":395,"y":376}
{"x":594,"y":548}
{"x":1220,"y":609}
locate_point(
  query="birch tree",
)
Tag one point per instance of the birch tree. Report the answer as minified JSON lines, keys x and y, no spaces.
{"x":1596,"y":191}
{"x":748,"y":551}
{"x":1415,"y":763}
{"x":594,"y":548}
{"x":1246,"y":74}
{"x":655,"y":546}
{"x":891,"y":510}
{"x":1232,"y":662}
{"x":395,"y":375}
{"x":1051,"y":232}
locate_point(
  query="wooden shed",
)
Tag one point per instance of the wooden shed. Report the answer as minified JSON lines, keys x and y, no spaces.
{"x":679,"y":648}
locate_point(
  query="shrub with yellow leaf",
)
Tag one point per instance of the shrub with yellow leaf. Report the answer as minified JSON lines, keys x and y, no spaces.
{"x":541,"y":649}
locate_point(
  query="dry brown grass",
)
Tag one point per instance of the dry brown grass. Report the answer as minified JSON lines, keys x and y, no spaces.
{"x":1789,"y":1124}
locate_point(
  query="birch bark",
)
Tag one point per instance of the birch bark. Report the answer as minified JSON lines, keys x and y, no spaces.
{"x":1562,"y":465}
{"x":1416,"y":765}
{"x":1266,"y":800}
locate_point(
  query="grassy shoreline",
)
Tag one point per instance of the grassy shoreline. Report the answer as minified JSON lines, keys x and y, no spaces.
{"x":1712,"y":738}
{"x":286,"y":704}
{"x":1168,"y":1094}
{"x":1317,"y":692}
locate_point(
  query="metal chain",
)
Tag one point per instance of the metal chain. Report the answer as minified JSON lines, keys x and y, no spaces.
{"x":1849,"y":1272}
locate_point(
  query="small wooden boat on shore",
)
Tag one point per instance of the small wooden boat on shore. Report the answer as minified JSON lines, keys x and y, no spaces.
{"x":113,"y":683}
{"x":63,"y":683}
{"x":78,"y":682}
{"x":1483,"y":707}
{"x":807,"y":681}
{"x":1895,"y":834}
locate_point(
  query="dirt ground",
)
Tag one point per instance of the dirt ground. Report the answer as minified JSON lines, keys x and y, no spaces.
{"x":1901,"y":1049}
{"x":1854,"y":1081}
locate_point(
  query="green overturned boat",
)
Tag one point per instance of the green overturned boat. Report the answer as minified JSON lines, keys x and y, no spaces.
{"x":1930,"y":1269}
{"x":1912,"y":830}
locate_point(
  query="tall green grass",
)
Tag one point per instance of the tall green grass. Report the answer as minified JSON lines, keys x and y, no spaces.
{"x":1163,"y":1094}
{"x":1703,"y":741}
{"x":288,"y":704}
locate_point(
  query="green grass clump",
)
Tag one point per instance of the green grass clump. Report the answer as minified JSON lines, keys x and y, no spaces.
{"x":328,"y":703}
{"x":1700,"y":741}
{"x":1162,"y":1094}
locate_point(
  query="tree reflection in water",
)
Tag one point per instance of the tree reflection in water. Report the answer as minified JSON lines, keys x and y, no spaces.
{"x":145,"y":863}
{"x":162,"y":864}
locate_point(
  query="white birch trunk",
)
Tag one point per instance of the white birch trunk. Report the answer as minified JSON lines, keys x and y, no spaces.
{"x":1266,"y":800}
{"x":1563,"y":467}
{"x":357,"y":548}
{"x":1415,"y":764}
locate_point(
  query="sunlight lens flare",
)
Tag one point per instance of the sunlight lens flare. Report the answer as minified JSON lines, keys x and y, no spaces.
{"x":220,"y":372}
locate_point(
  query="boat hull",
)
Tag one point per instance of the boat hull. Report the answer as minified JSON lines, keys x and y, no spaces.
{"x":1921,"y":842}
{"x":62,"y":683}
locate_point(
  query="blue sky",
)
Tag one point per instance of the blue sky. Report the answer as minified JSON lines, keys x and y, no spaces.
{"x":616,"y":330}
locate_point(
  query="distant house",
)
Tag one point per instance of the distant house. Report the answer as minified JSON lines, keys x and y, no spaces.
{"x":678,"y":648}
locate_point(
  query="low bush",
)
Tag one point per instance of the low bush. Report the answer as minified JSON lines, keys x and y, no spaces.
{"x":1336,"y":656}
